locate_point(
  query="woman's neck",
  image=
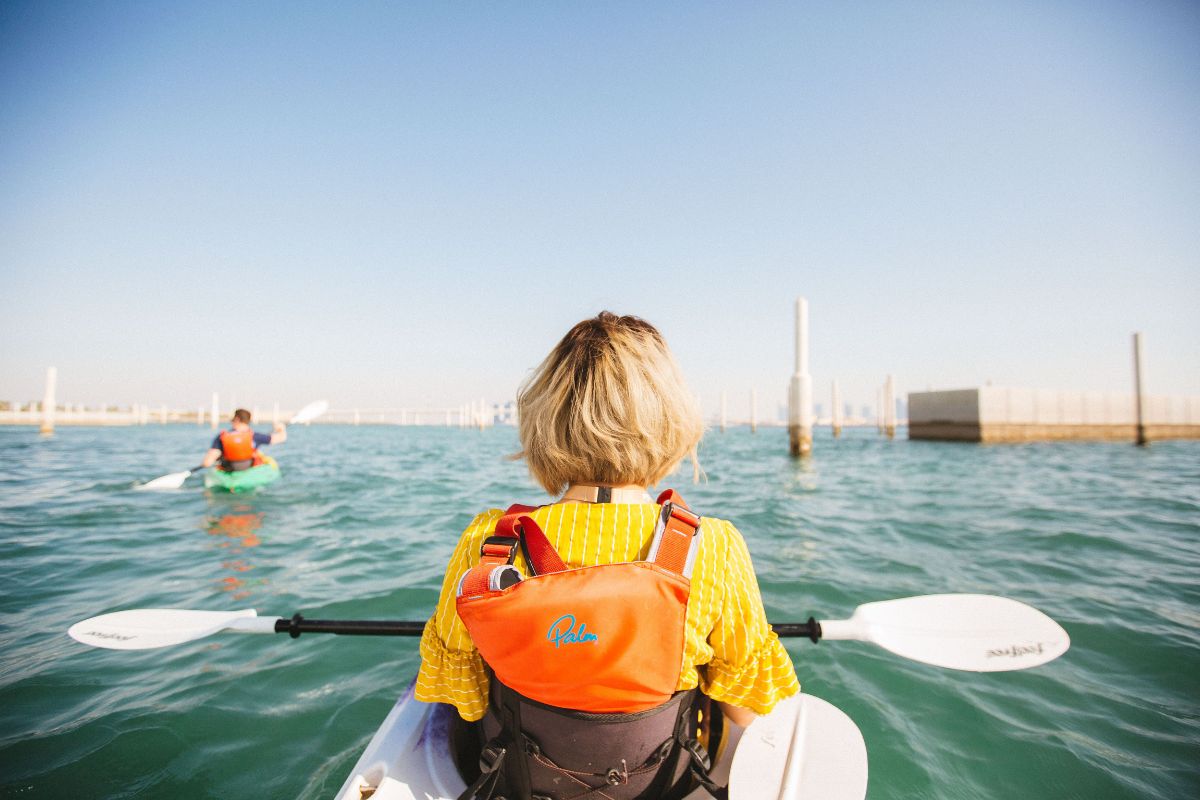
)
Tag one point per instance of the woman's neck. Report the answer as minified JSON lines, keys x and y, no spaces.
{"x":599,"y":493}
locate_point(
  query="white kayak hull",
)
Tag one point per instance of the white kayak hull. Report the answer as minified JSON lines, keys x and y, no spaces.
{"x":805,"y":748}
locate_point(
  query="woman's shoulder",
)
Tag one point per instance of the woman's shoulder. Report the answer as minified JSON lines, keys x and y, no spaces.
{"x":483,"y":522}
{"x":718,"y":534}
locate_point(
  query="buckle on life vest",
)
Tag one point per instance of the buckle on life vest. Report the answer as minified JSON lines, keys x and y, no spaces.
{"x":499,"y":547}
{"x":685,"y":515}
{"x":491,"y":758}
{"x":699,"y":755}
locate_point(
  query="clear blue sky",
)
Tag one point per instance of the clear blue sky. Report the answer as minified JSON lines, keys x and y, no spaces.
{"x":407,"y":204}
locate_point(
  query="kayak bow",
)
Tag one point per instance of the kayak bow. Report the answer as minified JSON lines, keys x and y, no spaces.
{"x":246,"y":480}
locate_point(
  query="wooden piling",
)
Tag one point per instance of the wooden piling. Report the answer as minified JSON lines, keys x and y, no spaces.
{"x":49,"y":402}
{"x":1138,"y":392}
{"x":800,"y":391}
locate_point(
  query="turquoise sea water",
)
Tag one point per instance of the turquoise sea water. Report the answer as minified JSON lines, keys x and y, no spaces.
{"x":1105,"y":538}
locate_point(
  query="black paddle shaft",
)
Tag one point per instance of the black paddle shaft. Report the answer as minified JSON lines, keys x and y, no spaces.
{"x":349,"y":627}
{"x":388,"y":627}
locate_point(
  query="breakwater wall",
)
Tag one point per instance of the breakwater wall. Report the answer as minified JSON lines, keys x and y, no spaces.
{"x":1003,"y":414}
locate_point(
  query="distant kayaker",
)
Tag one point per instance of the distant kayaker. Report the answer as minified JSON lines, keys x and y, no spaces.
{"x":237,"y":448}
{"x":586,"y":679}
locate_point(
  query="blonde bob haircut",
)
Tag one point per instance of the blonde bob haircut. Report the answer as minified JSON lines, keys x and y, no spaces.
{"x":608,"y":406}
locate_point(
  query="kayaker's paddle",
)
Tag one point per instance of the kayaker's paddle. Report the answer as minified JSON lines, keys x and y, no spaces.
{"x":309,"y":412}
{"x":172,"y":481}
{"x":974,"y":632}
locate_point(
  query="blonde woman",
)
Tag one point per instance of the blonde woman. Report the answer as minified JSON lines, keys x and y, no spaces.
{"x":582,"y":636}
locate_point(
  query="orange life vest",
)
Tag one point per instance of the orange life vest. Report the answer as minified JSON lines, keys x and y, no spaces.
{"x":237,"y":445}
{"x":601,"y":639}
{"x":238,"y":451}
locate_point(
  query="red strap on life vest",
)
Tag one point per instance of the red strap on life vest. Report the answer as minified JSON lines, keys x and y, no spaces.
{"x":673,"y":548}
{"x":500,"y":549}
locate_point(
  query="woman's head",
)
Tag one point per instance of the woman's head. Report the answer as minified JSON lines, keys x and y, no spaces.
{"x":608,"y":405}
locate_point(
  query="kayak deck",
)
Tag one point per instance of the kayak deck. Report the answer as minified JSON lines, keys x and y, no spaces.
{"x":244,"y":480}
{"x":804,"y":748}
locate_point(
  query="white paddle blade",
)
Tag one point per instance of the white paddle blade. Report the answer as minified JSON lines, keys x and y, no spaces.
{"x":147,"y":628}
{"x":310,"y":412}
{"x":973,"y":632}
{"x":172,"y":481}
{"x":805,"y":748}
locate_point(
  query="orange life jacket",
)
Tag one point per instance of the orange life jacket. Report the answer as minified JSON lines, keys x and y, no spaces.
{"x":600,"y":639}
{"x":238,"y":451}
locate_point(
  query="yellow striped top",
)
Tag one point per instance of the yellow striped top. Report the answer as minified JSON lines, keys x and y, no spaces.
{"x":729,"y":651}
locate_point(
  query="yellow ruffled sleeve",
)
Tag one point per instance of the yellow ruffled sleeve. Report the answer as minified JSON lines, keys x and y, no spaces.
{"x":452,"y":670}
{"x":750,"y":667}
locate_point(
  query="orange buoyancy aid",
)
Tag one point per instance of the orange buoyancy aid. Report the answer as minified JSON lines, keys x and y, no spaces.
{"x":601,"y":639}
{"x":238,"y":451}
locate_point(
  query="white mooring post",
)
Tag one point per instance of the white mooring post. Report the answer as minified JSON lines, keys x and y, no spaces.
{"x":835,"y":416}
{"x":724,"y":411}
{"x":162,"y":415}
{"x":275,"y":414}
{"x":216,"y":411}
{"x":200,"y":416}
{"x":800,"y":391}
{"x":1138,"y":395}
{"x":889,"y":408}
{"x":754,"y":410}
{"x":879,"y":409}
{"x":49,"y":401}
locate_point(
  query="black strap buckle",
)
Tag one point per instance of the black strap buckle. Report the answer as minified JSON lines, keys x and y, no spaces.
{"x":699,"y":755}
{"x":491,"y":758}
{"x":504,"y":541}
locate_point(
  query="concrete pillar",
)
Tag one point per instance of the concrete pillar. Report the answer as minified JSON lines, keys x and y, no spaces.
{"x":835,"y":416}
{"x":889,"y":408}
{"x":879,"y":409}
{"x":216,"y":412}
{"x":754,"y":410}
{"x":800,"y":391}
{"x":1138,"y":393}
{"x":49,"y":401}
{"x":724,"y":411}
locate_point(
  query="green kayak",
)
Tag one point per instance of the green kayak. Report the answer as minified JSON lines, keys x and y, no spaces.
{"x":246,"y":480}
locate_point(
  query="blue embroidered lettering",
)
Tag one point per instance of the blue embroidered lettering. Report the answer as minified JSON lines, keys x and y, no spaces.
{"x":562,"y":632}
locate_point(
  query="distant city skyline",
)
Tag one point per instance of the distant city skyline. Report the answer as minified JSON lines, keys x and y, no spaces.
{"x":407,"y":206}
